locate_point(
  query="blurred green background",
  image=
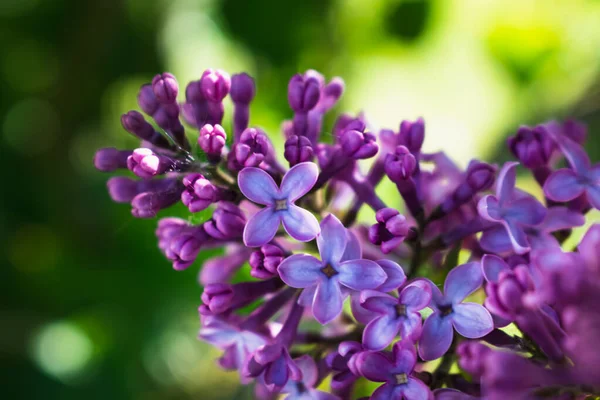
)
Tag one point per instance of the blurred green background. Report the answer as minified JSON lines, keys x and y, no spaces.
{"x":89,"y":307}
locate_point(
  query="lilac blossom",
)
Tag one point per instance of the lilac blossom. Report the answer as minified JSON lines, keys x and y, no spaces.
{"x":396,"y":371}
{"x":513,"y":209}
{"x":471,"y":320}
{"x":305,"y":388}
{"x":395,"y":315}
{"x":259,"y":186}
{"x":326,"y":281}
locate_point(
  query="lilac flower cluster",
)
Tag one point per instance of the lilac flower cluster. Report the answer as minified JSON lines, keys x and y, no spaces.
{"x":389,"y":295}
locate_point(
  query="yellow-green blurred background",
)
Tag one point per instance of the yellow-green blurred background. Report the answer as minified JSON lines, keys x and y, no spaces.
{"x":89,"y":307}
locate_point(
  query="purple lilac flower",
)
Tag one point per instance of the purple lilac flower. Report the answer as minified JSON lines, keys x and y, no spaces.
{"x":511,"y":208}
{"x":343,"y":364}
{"x":395,"y":315}
{"x":396,"y":371}
{"x":264,"y":262}
{"x":326,"y":281}
{"x":258,"y":186}
{"x":305,"y":388}
{"x":391,"y":229}
{"x":583,"y":177}
{"x":471,"y":320}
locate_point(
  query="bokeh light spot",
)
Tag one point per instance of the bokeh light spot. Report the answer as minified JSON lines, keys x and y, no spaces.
{"x":30,"y":126}
{"x":34,"y":248}
{"x":29,"y":66}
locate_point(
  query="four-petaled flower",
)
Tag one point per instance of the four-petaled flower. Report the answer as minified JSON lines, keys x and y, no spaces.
{"x":326,"y":282}
{"x":259,"y":187}
{"x":512,"y":208}
{"x":305,"y":388}
{"x":395,"y":315}
{"x":568,"y":184}
{"x":395,"y":370}
{"x":471,"y":320}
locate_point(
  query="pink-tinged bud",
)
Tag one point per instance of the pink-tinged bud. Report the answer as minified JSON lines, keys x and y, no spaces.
{"x":110,"y":159}
{"x":480,"y":176}
{"x":215,"y":85}
{"x":168,"y":229}
{"x":303,"y":93}
{"x":199,"y":193}
{"x":212,"y":139}
{"x":505,"y":297}
{"x":185,"y":246}
{"x":250,"y":151}
{"x":264,"y":262}
{"x":165,"y":88}
{"x":390,"y":231}
{"x":298,"y":149}
{"x":243,"y":88}
{"x":400,"y":165}
{"x":146,"y":164}
{"x":472,"y":357}
{"x":412,"y":135}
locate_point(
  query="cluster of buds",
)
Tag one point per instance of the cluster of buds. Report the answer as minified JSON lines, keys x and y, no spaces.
{"x":296,"y":228}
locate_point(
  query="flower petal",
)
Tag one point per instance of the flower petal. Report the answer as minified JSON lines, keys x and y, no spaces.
{"x":488,"y":208}
{"x":257,"y":185}
{"x":332,"y":240}
{"x":308,"y":368}
{"x":395,"y":275}
{"x":386,"y":392}
{"x":374,"y":366}
{"x":417,"y":390}
{"x":352,"y":250}
{"x":563,"y":185}
{"x":416,"y":295}
{"x":437,"y":298}
{"x":574,"y":153}
{"x":436,"y":337}
{"x":526,"y":211}
{"x":505,"y":184}
{"x":261,"y":228}
{"x":299,"y":180}
{"x":492,"y":266}
{"x":378,"y":302}
{"x":405,"y":356}
{"x":518,"y":237}
{"x":496,"y":240}
{"x":277,"y":374}
{"x":328,"y":301}
{"x":462,"y":281}
{"x":558,"y":218}
{"x":472,"y":320}
{"x":300,"y":224}
{"x":361,"y":274}
{"x":452,"y":394}
{"x":411,"y":327}
{"x":589,"y":248}
{"x":307,"y":296}
{"x":380,"y":332}
{"x":300,"y":270}
{"x":360,"y":313}
{"x":593,"y":195}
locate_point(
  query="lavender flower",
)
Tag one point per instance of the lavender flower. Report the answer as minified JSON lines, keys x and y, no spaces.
{"x":305,"y":388}
{"x":391,"y":229}
{"x":258,"y":186}
{"x":469,"y":319}
{"x":324,"y":281}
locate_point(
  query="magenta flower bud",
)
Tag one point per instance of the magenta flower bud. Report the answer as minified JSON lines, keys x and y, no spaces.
{"x":217,"y":297}
{"x":165,"y":88}
{"x":303,"y":93}
{"x":533,"y":147}
{"x":347,"y":121}
{"x":199,"y":192}
{"x":412,"y":134}
{"x":250,"y":151}
{"x":145,"y":163}
{"x":110,"y":159}
{"x":212,"y":140}
{"x":147,"y":204}
{"x":122,"y":189}
{"x":227,"y":222}
{"x":169,"y":228}
{"x":147,"y":100}
{"x":480,"y":176}
{"x":243,"y":88}
{"x":472,"y":357}
{"x":185,"y":246}
{"x":134,"y":123}
{"x":215,"y":85}
{"x":298,"y":149}
{"x":505,"y":297}
{"x":390,"y":230}
{"x":264,"y":262}
{"x":358,"y":145}
{"x":400,"y":165}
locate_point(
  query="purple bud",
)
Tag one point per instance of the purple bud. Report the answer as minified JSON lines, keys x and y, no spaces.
{"x":122,"y":189}
{"x":212,"y":140}
{"x":227,"y":222}
{"x":110,"y":159}
{"x":250,"y":151}
{"x":390,"y":230}
{"x":243,"y":88}
{"x":264,"y":262}
{"x":169,"y":228}
{"x":412,"y":134}
{"x":471,"y":357}
{"x":185,"y":245}
{"x":343,"y":123}
{"x":303,"y":93}
{"x":199,"y":193}
{"x":147,"y":204}
{"x":298,"y":149}
{"x":145,"y":163}
{"x":400,"y":165}
{"x":215,"y":85}
{"x":358,"y":145}
{"x":330,"y":94}
{"x":480,"y":176}
{"x":165,"y":88}
{"x":147,"y":100}
{"x":505,"y":297}
{"x":217,"y":297}
{"x":134,"y":123}
{"x":532,"y":146}
{"x":575,"y":130}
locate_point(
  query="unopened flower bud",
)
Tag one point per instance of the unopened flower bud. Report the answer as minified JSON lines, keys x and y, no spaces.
{"x":212,"y":139}
{"x":400,"y":165}
{"x":264,"y":262}
{"x":215,"y":85}
{"x":110,"y":159}
{"x":243,"y":88}
{"x":199,"y":192}
{"x":412,"y":134}
{"x":165,"y":88}
{"x":298,"y":149}
{"x":390,"y":230}
{"x":303,"y":93}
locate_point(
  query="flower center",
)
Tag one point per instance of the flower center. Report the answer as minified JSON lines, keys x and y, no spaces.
{"x":445,"y":310}
{"x":401,"y":379}
{"x":329,"y":271}
{"x":401,"y":310}
{"x":281,"y":205}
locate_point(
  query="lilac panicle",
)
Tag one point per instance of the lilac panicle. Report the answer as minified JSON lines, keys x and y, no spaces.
{"x":515,"y":247}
